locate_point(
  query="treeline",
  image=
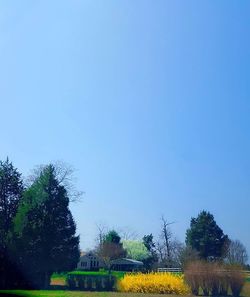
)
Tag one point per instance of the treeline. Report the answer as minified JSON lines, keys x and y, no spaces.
{"x":205,"y":241}
{"x":38,"y":233}
{"x":37,"y":230}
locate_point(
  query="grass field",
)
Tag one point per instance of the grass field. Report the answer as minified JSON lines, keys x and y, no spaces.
{"x":59,"y":280}
{"x":60,"y":293}
{"x":245,"y":293}
{"x":248,"y":276}
{"x":77,"y":294}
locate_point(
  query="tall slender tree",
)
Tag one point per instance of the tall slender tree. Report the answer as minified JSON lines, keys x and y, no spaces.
{"x":45,"y":230}
{"x":149,"y":243}
{"x":11,"y":189}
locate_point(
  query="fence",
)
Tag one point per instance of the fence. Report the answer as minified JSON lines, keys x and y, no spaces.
{"x":176,"y":270}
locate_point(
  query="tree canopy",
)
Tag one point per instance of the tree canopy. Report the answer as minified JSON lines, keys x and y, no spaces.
{"x":112,"y":236}
{"x":45,"y":240}
{"x":136,"y":250}
{"x":111,"y":248}
{"x":206,"y":237}
{"x":11,"y":189}
{"x":148,"y":241}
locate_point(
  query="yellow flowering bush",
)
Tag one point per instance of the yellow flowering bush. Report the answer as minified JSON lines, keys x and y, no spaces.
{"x":154,"y":282}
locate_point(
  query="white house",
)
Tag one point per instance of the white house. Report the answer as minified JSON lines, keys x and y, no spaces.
{"x":89,"y":261}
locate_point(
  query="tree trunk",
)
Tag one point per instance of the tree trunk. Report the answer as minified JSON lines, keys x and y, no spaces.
{"x":46,"y":280}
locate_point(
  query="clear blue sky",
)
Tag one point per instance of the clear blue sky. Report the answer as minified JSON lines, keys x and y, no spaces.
{"x":148,"y":100}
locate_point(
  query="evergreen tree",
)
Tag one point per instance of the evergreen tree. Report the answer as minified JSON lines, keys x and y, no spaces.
{"x":111,"y":248}
{"x":150,"y":246}
{"x":206,"y":237}
{"x":112,"y":236}
{"x":11,"y":189}
{"x":45,"y":240}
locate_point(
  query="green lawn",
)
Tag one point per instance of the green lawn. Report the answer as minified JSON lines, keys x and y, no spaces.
{"x":54,"y":293}
{"x":59,"y":279}
{"x":118,"y":274}
{"x":78,"y":294}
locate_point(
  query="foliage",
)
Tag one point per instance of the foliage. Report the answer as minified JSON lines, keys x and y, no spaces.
{"x":11,"y":189}
{"x":91,"y":282}
{"x":110,"y":251}
{"x":149,"y":262}
{"x":206,"y":237}
{"x":162,"y":283}
{"x":111,"y":248}
{"x":45,"y":240}
{"x":112,"y":237}
{"x":149,"y":242}
{"x":136,"y":250}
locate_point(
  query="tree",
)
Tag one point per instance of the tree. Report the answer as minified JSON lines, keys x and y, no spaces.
{"x":111,"y":248}
{"x":167,"y":246}
{"x":64,"y":173}
{"x":127,"y":233}
{"x":45,"y":240}
{"x":187,"y":255}
{"x":112,"y":237}
{"x":11,"y":189}
{"x":177,"y":248}
{"x":102,"y":231}
{"x":236,"y":253}
{"x":206,"y":237}
{"x":148,"y":241}
{"x":136,"y":250}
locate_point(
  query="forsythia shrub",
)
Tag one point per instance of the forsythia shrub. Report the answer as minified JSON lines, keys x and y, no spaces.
{"x":155,"y":282}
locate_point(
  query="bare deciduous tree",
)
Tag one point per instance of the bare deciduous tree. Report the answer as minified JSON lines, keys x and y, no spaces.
{"x":64,"y":174}
{"x":109,"y":251}
{"x":127,"y":233}
{"x":102,"y":230}
{"x":165,"y":244}
{"x":188,"y":255}
{"x":237,"y":253}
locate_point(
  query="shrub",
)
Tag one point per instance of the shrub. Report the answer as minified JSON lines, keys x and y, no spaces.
{"x":90,"y":282}
{"x":214,"y":278}
{"x":193,"y":275}
{"x":236,"y":280}
{"x":81,"y":283}
{"x":71,"y":282}
{"x":162,"y":283}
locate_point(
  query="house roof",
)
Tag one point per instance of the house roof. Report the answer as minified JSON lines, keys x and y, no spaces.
{"x":124,"y":261}
{"x":90,"y":254}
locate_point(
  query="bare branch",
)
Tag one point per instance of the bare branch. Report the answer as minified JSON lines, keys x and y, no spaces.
{"x":65,"y":176}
